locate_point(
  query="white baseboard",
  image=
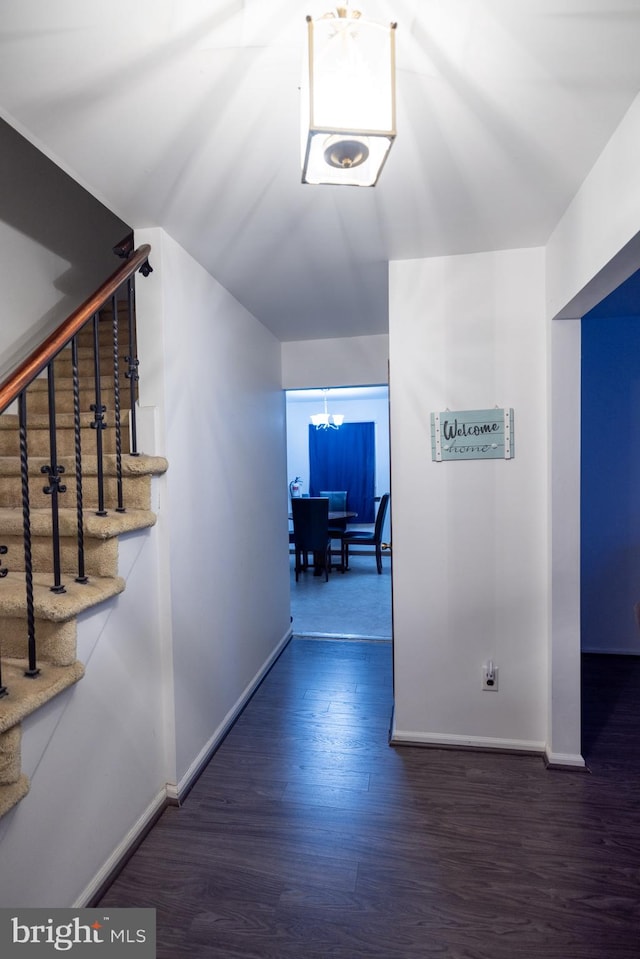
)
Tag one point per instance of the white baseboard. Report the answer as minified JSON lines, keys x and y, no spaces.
{"x":400,"y":737}
{"x":564,"y":760}
{"x":122,"y":849}
{"x":403,"y":737}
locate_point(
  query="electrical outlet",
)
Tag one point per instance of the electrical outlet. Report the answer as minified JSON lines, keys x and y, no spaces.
{"x":490,"y":678}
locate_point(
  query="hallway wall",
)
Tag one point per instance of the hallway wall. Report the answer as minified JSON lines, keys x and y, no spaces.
{"x":469,"y":537}
{"x":594,"y":248}
{"x":213,"y":381}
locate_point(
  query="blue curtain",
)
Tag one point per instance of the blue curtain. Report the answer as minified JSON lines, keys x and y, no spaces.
{"x":345,"y":459}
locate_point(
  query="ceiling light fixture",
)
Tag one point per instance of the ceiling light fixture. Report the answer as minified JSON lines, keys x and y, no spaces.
{"x":348,"y":99}
{"x":326,"y":420}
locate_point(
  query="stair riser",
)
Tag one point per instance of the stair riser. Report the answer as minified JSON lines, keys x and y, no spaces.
{"x":39,"y":403}
{"x":57,"y":642}
{"x":106,"y":313}
{"x":64,"y":369}
{"x":105,"y":339}
{"x":10,"y":755}
{"x":136,"y":489}
{"x":105,"y":327}
{"x":85,"y":383}
{"x":100,"y":556}
{"x":38,"y":442}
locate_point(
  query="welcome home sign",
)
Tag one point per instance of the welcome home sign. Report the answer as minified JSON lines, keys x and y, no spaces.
{"x":472,"y":435}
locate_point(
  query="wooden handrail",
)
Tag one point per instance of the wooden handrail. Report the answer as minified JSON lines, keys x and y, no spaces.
{"x":124,"y":248}
{"x":38,"y":360}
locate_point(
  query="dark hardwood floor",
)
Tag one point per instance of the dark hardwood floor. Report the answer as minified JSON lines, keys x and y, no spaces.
{"x":308,"y":837}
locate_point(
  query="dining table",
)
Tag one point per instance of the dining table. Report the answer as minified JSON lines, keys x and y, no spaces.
{"x":335,"y":515}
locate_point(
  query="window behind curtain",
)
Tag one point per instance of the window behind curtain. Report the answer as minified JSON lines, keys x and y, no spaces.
{"x":345,"y":459}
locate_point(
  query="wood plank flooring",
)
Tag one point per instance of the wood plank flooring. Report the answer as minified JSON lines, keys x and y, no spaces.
{"x":309,"y":837}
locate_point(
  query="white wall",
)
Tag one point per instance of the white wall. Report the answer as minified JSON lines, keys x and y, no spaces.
{"x":595,"y":246}
{"x":213,"y":373}
{"x":564,"y":736}
{"x":348,"y":361}
{"x":56,"y":245}
{"x":469,"y":537}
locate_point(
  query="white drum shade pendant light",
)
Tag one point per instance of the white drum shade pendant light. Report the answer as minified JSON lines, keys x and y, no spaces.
{"x":348,"y":99}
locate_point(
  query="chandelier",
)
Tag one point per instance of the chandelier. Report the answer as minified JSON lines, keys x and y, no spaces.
{"x":348,"y":99}
{"x":326,"y":420}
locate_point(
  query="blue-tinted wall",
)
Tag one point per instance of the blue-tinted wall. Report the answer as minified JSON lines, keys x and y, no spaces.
{"x":610,"y":494}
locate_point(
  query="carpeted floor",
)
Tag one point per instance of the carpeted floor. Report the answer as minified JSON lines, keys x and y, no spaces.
{"x":356,"y":603}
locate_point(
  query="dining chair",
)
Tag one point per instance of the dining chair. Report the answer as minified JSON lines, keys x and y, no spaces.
{"x":311,"y":534}
{"x":337,"y":499}
{"x":357,"y":538}
{"x":337,"y":527}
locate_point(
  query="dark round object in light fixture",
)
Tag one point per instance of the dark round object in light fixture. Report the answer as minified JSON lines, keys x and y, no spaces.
{"x":345,"y":154}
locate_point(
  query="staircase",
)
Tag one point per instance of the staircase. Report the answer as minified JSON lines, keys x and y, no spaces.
{"x":60,"y":594}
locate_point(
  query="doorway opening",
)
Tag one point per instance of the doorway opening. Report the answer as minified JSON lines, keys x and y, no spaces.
{"x":610,"y":522}
{"x":356,"y":603}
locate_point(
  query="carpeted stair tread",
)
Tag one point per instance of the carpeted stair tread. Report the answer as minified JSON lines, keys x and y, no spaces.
{"x":95,"y":527}
{"x":57,"y":607}
{"x":26,"y":694}
{"x":100,"y":545}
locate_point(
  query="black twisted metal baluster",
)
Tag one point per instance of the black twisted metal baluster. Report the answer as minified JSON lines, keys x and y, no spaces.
{"x":3,"y":572}
{"x":54,"y":471}
{"x":32,"y":669}
{"x":132,"y":372}
{"x":98,"y":424}
{"x":116,"y":403}
{"x":81,"y":577}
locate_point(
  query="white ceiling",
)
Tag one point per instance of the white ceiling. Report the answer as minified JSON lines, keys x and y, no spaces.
{"x":184,"y":114}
